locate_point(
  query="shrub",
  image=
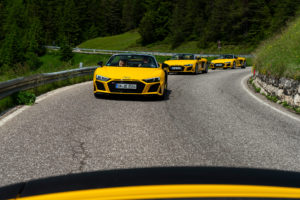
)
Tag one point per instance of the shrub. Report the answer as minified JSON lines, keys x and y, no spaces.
{"x":24,"y":98}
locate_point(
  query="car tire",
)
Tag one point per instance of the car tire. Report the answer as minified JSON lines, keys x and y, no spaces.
{"x":234,"y":65}
{"x":206,"y":69}
{"x":97,"y":95}
{"x":196,"y":69}
{"x":164,"y":96}
{"x":244,"y":65}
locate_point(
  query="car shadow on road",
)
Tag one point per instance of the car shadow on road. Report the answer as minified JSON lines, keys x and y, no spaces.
{"x":121,"y":97}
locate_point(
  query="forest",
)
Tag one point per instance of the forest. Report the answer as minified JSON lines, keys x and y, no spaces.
{"x":27,"y":25}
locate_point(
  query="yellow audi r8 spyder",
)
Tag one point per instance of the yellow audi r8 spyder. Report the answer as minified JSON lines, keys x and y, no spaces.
{"x":187,"y":63}
{"x":228,"y":61}
{"x":162,"y":183}
{"x":131,"y":74}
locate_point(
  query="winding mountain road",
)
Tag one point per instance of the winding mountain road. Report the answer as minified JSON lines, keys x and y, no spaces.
{"x":208,"y":120}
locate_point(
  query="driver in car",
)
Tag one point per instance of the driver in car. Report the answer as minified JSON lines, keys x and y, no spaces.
{"x":122,"y":63}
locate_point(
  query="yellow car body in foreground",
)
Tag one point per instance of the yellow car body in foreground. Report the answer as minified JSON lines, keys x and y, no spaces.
{"x":228,"y":61}
{"x":161,"y":183}
{"x":131,"y":74}
{"x":187,"y":63}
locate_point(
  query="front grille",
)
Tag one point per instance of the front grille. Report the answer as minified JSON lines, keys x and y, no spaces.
{"x":219,"y":65}
{"x":154,"y":88}
{"x":139,"y":89}
{"x":100,"y":86}
{"x":180,"y":68}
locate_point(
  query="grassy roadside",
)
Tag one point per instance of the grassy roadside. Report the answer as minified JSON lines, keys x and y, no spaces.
{"x":25,"y":97}
{"x":52,"y":63}
{"x":280,"y":55}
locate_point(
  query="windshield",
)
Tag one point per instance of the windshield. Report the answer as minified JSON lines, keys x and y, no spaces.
{"x":132,"y":61}
{"x":183,"y":57}
{"x":226,"y":57}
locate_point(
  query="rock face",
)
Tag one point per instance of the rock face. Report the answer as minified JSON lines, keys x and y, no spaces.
{"x":284,"y":89}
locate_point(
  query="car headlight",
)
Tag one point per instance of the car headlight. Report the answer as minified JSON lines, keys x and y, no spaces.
{"x":189,"y":65}
{"x":152,"y":80}
{"x":102,"y":78}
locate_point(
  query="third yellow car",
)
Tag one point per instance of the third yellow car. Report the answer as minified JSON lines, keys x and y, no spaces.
{"x":228,"y":61}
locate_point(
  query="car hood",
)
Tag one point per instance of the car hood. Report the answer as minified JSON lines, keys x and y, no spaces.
{"x":179,"y":62}
{"x":222,"y":60}
{"x":128,"y":72}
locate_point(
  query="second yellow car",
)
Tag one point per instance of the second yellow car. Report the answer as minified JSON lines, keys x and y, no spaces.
{"x":187,"y":63}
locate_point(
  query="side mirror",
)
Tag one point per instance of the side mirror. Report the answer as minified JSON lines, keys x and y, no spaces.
{"x":165,"y":66}
{"x":100,"y":64}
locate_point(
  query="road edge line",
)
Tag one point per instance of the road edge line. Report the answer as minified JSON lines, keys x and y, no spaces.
{"x":245,"y":87}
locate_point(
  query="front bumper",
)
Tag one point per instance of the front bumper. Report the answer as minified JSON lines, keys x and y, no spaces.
{"x":185,"y":69}
{"x":220,"y":65}
{"x":142,"y":88}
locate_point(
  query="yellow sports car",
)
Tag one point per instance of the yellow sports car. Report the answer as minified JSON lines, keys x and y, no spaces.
{"x":135,"y":74}
{"x":161,"y":183}
{"x":187,"y":63}
{"x":228,"y":61}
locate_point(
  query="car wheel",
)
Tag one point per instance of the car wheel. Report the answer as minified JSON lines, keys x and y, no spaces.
{"x":244,"y":65}
{"x":164,"y":96}
{"x":97,"y":95}
{"x":196,"y":69}
{"x":206,"y":69}
{"x":233,"y":66}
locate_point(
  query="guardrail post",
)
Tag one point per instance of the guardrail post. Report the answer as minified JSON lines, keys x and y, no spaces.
{"x":80,"y":65}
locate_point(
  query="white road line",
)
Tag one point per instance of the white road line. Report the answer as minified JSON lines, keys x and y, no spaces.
{"x":244,"y":83}
{"x":38,"y":99}
{"x":12,"y":115}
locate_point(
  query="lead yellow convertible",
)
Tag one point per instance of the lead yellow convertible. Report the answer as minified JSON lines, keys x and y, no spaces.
{"x":187,"y":63}
{"x":132,"y":74}
{"x":228,"y":61}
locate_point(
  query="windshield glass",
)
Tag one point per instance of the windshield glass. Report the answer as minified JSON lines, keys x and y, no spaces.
{"x":132,"y":61}
{"x":183,"y":57}
{"x":226,"y":57}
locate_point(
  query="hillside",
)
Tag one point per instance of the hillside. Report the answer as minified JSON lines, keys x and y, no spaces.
{"x":131,"y":41}
{"x":280,"y":55}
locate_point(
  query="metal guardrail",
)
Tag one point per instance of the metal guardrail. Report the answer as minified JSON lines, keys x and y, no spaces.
{"x":8,"y":88}
{"x":102,"y":51}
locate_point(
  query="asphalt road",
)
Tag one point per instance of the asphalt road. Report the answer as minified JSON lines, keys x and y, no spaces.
{"x":208,"y":120}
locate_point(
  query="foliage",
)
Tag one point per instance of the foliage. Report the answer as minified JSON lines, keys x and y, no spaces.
{"x":280,"y":55}
{"x":24,"y":98}
{"x":65,"y":51}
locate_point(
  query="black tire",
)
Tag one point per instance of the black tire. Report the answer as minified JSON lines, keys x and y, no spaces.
{"x":97,"y":95}
{"x":244,"y":65}
{"x":206,"y":69}
{"x":196,"y":69}
{"x":164,"y":96}
{"x":234,"y":65}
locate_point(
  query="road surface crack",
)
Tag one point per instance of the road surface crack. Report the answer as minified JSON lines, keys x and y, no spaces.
{"x":80,"y":154}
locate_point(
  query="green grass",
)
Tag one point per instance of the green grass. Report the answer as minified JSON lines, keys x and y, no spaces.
{"x":131,"y":41}
{"x":116,"y":42}
{"x":52,"y":63}
{"x":280,"y":55}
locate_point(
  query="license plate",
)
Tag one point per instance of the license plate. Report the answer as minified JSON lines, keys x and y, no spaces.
{"x":219,"y":65}
{"x":175,"y":68}
{"x":126,"y":86}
